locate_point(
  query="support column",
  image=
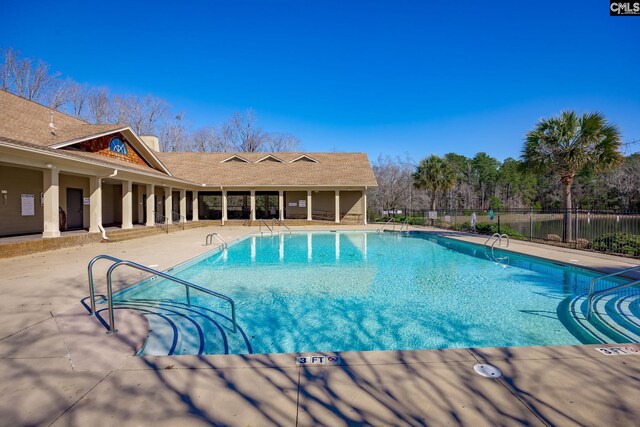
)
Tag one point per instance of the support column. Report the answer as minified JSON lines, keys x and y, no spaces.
{"x":127,"y":204}
{"x":252,"y":203}
{"x":338,"y":206}
{"x":168,"y":204}
{"x":281,"y":205}
{"x":141,"y":202}
{"x":51,"y":186}
{"x":194,"y":206}
{"x":151,"y":205}
{"x":364,"y":206}
{"x":224,"y":206}
{"x":183,"y":205}
{"x":95,"y":204}
{"x":309,"y":209}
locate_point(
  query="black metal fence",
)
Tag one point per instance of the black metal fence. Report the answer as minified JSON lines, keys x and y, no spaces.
{"x":615,"y":232}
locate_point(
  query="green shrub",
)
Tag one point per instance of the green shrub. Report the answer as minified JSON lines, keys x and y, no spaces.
{"x":490,"y":228}
{"x":621,"y":243}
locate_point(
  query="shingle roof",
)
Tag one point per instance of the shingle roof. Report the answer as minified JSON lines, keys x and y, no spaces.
{"x":28,"y":121}
{"x":331,"y":169}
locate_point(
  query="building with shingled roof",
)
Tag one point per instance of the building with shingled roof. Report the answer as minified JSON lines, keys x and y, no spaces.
{"x":61,"y":173}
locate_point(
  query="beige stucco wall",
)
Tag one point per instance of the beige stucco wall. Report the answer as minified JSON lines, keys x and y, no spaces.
{"x":323,"y":201}
{"x":111,"y":204}
{"x":350,"y":203}
{"x":17,"y":181}
{"x":295,"y":211}
{"x":82,"y":183}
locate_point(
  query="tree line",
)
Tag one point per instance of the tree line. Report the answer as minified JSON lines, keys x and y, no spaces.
{"x":147,"y":115}
{"x":483,"y":182}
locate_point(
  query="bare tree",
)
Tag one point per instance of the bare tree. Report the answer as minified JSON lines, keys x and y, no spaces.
{"x":78,"y":99}
{"x":244,"y":132}
{"x":280,"y":142}
{"x":57,"y":93}
{"x":143,"y":114}
{"x":32,"y":81}
{"x":203,"y":140}
{"x":395,"y":182}
{"x":7,"y":78}
{"x":99,"y":106}
{"x":173,"y":135}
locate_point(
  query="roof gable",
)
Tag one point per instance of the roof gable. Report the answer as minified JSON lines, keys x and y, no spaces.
{"x":269,"y":158}
{"x":304,"y":158}
{"x":235,"y":158}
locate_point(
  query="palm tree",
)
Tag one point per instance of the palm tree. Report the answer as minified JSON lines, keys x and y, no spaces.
{"x":569,"y":144}
{"x":434,"y":174}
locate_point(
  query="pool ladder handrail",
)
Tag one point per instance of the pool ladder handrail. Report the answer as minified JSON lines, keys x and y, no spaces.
{"x":209,"y":240}
{"x":281,"y":223}
{"x":381,"y":229}
{"x":263,"y":222}
{"x":498,"y":238}
{"x":118,"y":262}
{"x":592,"y":295}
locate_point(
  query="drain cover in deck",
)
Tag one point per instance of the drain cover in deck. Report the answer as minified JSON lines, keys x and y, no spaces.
{"x":488,"y":371}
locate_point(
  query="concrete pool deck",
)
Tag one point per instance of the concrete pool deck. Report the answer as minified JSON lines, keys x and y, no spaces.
{"x":42,"y":385}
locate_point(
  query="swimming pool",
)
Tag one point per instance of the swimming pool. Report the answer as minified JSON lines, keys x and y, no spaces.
{"x":358,"y":291}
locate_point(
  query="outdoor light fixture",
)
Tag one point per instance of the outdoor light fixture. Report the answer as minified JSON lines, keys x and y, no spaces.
{"x":49,"y":165}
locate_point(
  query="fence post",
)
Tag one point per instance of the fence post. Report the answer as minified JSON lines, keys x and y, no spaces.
{"x":530,"y":224}
{"x":575,"y":238}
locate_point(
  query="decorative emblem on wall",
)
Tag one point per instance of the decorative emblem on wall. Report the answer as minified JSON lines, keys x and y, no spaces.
{"x":118,"y":146}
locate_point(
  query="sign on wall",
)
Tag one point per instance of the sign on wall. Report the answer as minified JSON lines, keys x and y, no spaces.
{"x":87,"y":201}
{"x":28,"y":205}
{"x":293,"y":204}
{"x":302,"y":203}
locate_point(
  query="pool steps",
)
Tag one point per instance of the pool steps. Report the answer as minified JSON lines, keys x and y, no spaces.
{"x":615,"y":317}
{"x":176,"y":328}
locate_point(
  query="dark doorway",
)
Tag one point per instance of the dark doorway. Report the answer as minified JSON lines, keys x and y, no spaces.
{"x":267,"y":205}
{"x":238,"y":205}
{"x":74,"y":209}
{"x":144,"y":208}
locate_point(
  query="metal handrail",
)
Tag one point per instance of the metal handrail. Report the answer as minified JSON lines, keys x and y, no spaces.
{"x":117,"y":263}
{"x":262,"y":221}
{"x":385,"y":224}
{"x":180,"y":219}
{"x":281,"y":223}
{"x":160,"y":221}
{"x":499,"y":241}
{"x":209,"y":240}
{"x":592,"y":284}
{"x":92,"y":292}
{"x":405,"y":224}
{"x":492,"y":236}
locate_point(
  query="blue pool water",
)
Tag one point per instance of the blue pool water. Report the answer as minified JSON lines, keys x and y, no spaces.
{"x":356,"y":291}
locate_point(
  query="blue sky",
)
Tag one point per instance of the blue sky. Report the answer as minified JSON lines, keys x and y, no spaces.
{"x":398,"y":78}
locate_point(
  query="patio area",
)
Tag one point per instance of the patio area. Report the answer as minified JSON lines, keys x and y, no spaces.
{"x":47,"y":381}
